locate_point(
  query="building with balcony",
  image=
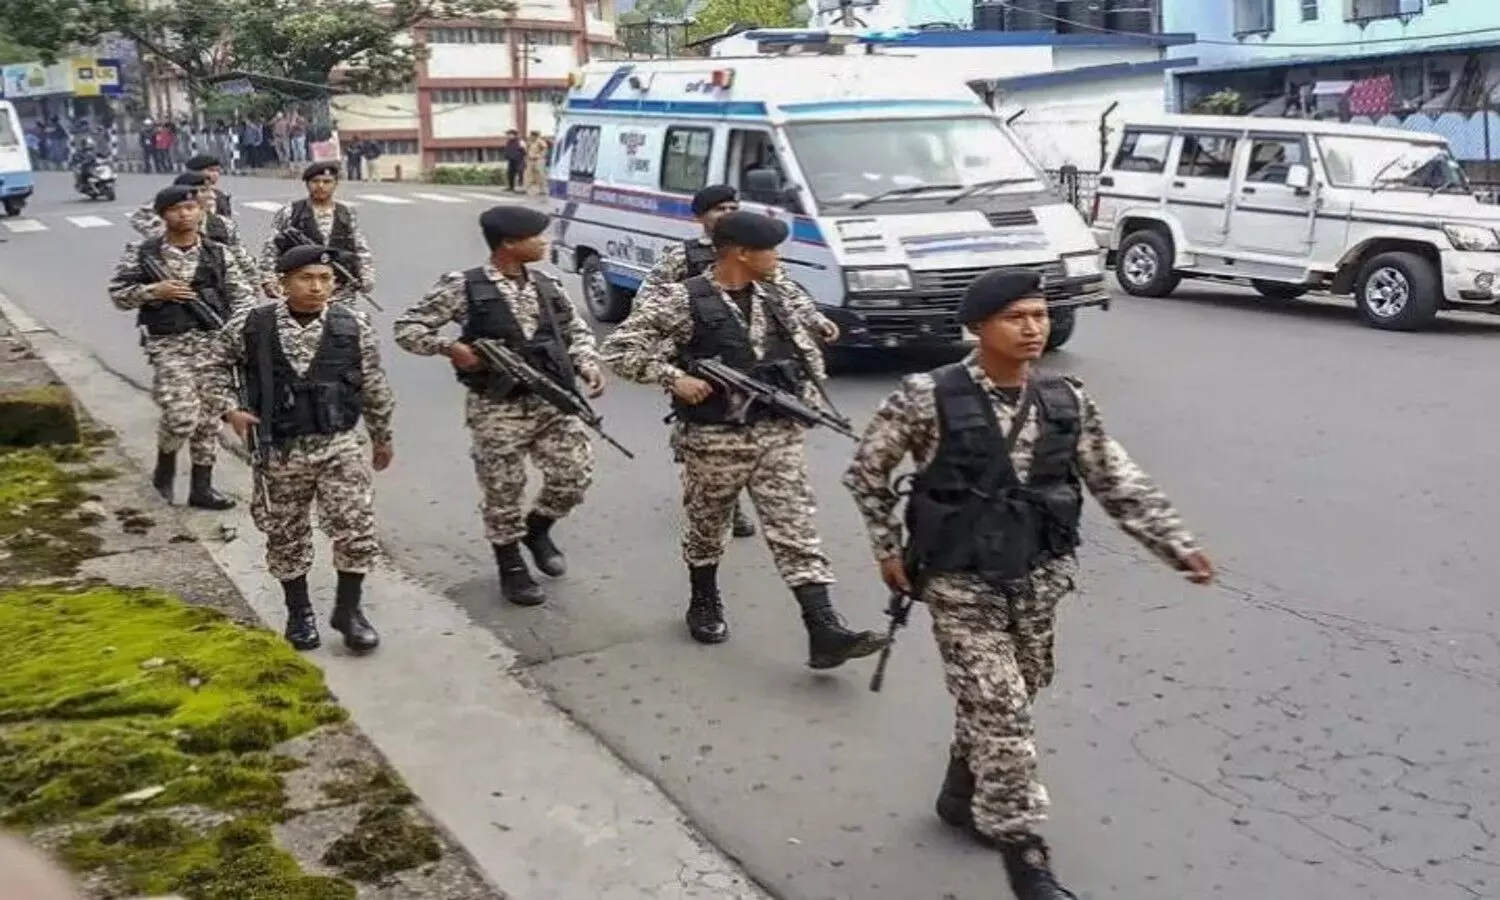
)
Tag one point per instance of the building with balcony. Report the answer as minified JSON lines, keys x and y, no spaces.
{"x":479,"y":79}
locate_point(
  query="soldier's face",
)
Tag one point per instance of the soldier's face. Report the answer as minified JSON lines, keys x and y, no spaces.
{"x":530,"y":250}
{"x":760,"y":263}
{"x":183,"y":217}
{"x":718,"y":212}
{"x":321,"y":188}
{"x":1018,"y":332}
{"x":212,"y":173}
{"x":309,"y":288}
{"x":206,"y":198}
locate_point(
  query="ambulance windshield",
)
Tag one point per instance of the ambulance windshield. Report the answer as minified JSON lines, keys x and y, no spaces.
{"x":909,"y":159}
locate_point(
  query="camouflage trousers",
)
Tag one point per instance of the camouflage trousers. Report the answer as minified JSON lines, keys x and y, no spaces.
{"x":767,"y":461}
{"x":997,"y":652}
{"x":504,"y":434}
{"x":334,"y":471}
{"x":180,"y":386}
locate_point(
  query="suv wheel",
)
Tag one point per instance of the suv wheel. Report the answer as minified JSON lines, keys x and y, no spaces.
{"x":1398,"y":291}
{"x":1062,"y":328}
{"x":607,"y":303}
{"x":1145,"y":266}
{"x":1277,"y":290}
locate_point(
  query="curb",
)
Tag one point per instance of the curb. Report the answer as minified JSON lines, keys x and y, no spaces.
{"x":545,"y":810}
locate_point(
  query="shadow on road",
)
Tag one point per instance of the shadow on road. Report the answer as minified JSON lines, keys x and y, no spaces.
{"x":1320,"y":309}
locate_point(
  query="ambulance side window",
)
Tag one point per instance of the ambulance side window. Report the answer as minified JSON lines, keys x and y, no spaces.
{"x":684,"y":160}
{"x":583,"y":152}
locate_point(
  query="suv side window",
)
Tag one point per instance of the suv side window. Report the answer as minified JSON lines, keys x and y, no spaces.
{"x":1143,"y":151}
{"x":1271,"y":158}
{"x":1206,"y":156}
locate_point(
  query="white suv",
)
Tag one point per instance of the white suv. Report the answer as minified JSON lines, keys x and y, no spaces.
{"x":1294,"y":205}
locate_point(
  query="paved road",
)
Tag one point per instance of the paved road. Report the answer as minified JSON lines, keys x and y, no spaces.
{"x":1320,"y":726}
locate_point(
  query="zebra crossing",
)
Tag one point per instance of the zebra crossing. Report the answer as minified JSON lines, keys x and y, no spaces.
{"x":31,"y":225}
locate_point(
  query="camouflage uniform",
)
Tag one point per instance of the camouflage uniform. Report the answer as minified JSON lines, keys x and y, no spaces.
{"x":333,"y":470}
{"x":190,"y":409}
{"x":672,"y":268}
{"x":324,"y":218}
{"x":505,"y":433}
{"x":997,"y":646}
{"x":148,"y":224}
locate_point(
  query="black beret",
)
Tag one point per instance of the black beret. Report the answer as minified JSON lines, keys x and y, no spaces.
{"x":749,"y":230}
{"x":995,"y":290}
{"x":169,"y":197}
{"x":191,"y":179}
{"x":320,"y":168}
{"x":512,"y":223}
{"x":305,"y":255}
{"x":712,"y":196}
{"x":202,"y":161}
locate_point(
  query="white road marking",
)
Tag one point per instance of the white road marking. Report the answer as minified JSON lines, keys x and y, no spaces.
{"x":384,"y":198}
{"x":21,"y":226}
{"x":269,"y":206}
{"x":503,"y":198}
{"x":89,"y":221}
{"x":441,"y":198}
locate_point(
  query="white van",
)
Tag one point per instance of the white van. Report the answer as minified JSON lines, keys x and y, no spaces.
{"x":16,"y":182}
{"x":899,"y":185}
{"x":1295,"y":205}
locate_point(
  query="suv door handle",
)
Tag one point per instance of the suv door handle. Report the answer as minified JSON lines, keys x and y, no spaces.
{"x":1248,"y":190}
{"x":1182,"y":184}
{"x":1107,"y":181}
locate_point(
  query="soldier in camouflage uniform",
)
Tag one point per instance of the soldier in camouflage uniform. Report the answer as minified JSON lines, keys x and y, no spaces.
{"x":325,"y":222}
{"x":179,"y":316}
{"x":679,"y":262}
{"x":311,"y":371}
{"x":730,"y":313}
{"x":217,"y":228}
{"x":992,"y":571}
{"x":507,"y":301}
{"x":148,"y":223}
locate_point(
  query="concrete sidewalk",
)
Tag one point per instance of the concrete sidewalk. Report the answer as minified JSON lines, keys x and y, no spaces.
{"x":545,"y":810}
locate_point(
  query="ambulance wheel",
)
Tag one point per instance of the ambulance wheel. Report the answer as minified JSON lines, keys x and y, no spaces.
{"x":607,"y":303}
{"x":1063,"y":321}
{"x":14,"y":207}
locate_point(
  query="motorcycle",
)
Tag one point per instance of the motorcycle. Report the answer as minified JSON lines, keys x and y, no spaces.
{"x":97,"y":181}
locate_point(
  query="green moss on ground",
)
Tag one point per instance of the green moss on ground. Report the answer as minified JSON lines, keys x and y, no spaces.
{"x":38,"y":415}
{"x":41,"y":535}
{"x":386,"y":840}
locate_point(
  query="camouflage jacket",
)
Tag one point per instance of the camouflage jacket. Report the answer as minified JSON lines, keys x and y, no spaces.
{"x":127,"y":285}
{"x":671,"y":268}
{"x":324,"y":220}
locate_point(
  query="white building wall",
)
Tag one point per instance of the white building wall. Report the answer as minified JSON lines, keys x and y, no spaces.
{"x":469,"y":61}
{"x":551,"y":61}
{"x":541,"y":117}
{"x":545,"y":10}
{"x":476,"y":120}
{"x":386,"y":112}
{"x":1061,"y":124}
{"x":1087,"y":57}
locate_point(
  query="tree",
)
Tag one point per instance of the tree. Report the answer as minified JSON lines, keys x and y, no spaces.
{"x":302,"y":39}
{"x":636,"y":26}
{"x":717,"y":15}
{"x":12,"y":51}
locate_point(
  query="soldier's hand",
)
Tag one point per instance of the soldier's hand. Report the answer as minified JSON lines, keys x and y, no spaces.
{"x":893,"y":573}
{"x":690,"y":390}
{"x":170,"y":290}
{"x":271,"y":289}
{"x":829,"y":331}
{"x":593,"y":381}
{"x":381,"y":457}
{"x":242,"y":421}
{"x":464,"y":358}
{"x":1199,"y":568}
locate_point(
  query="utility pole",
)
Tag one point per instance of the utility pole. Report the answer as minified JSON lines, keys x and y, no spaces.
{"x":846,"y":13}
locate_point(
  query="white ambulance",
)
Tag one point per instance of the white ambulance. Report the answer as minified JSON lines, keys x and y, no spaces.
{"x":899,"y":185}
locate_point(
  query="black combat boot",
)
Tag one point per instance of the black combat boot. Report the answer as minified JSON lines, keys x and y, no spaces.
{"x":544,"y":553}
{"x":830,"y":642}
{"x":516,"y":583}
{"x":165,"y":476}
{"x":1030,"y":868}
{"x":744,"y":526}
{"x":301,"y":625}
{"x":349,"y":619}
{"x":705,"y":613}
{"x":955,"y":802}
{"x":201,"y":494}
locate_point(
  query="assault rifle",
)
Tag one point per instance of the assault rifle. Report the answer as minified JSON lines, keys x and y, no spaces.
{"x":750,"y":391}
{"x":200,"y":310}
{"x":500,"y":358}
{"x":899,"y":609}
{"x":301,"y":240}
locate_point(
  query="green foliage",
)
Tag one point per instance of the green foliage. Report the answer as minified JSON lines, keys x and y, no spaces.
{"x":287,"y":38}
{"x":40,"y":531}
{"x":12,"y":51}
{"x":655,"y":41}
{"x":717,"y":15}
{"x":467,"y":175}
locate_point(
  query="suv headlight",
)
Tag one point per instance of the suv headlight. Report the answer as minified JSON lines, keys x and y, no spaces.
{"x":868,"y":281}
{"x":1084,"y":265}
{"x":1473,"y":237}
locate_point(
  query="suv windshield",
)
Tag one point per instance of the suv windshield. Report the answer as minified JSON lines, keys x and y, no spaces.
{"x":1374,"y":163}
{"x":846,"y":162}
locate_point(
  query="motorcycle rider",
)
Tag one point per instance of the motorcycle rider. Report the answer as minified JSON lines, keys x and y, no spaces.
{"x":85,"y":156}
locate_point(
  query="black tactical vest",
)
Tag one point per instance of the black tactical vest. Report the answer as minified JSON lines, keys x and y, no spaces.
{"x":163,"y":318}
{"x":698,"y":256}
{"x":324,"y":400}
{"x":490,"y":317}
{"x":968,"y":512}
{"x":341,"y":237}
{"x":216,"y":228}
{"x":718,"y":333}
{"x":222,"y":205}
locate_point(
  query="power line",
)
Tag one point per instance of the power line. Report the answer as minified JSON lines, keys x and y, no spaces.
{"x":1214,"y":43}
